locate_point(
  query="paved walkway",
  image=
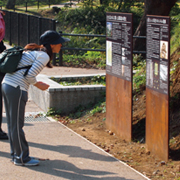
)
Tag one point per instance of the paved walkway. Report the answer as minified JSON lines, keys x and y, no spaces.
{"x":63,"y":154}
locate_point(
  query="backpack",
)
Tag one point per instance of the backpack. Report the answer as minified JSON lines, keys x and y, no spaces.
{"x":9,"y":60}
{"x":2,"y":46}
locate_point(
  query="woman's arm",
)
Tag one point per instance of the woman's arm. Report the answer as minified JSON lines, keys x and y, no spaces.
{"x":42,"y":59}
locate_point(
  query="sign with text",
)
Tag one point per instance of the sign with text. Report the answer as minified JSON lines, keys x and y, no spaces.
{"x":119,"y":74}
{"x":157,"y":42}
{"x":119,"y":45}
{"x":157,"y":85}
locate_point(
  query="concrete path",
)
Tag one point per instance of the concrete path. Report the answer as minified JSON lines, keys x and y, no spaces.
{"x":63,"y":154}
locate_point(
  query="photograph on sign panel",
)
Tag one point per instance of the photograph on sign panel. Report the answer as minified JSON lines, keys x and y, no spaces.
{"x":163,"y":72}
{"x":123,"y":60}
{"x":164,"y":49}
{"x":109,"y":29}
{"x":123,"y":65}
{"x":109,"y":53}
{"x":149,"y":74}
{"x":123,"y":69}
{"x":156,"y":69}
{"x":123,"y":51}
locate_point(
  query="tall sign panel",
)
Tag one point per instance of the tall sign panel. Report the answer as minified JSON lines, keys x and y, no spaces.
{"x":119,"y":73}
{"x":157,"y":85}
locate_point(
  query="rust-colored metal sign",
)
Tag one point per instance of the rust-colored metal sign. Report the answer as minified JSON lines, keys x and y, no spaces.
{"x":119,"y":74}
{"x":157,"y":85}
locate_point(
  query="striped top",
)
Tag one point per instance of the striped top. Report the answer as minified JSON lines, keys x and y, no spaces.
{"x":38,"y":60}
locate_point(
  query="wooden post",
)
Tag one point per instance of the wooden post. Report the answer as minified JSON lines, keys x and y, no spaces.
{"x":26,"y":6}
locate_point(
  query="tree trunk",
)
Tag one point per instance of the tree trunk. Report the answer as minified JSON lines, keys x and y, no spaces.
{"x":152,"y":7}
{"x":101,"y":2}
{"x":11,"y":4}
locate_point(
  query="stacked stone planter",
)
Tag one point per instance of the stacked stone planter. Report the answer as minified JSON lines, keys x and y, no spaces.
{"x":65,"y":98}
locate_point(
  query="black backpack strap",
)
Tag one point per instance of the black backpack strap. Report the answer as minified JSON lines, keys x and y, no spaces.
{"x":25,"y":67}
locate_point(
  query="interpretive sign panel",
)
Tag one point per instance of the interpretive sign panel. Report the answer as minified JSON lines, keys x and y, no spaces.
{"x":158,"y":53}
{"x":119,"y":45}
{"x":157,"y":85}
{"x":119,"y":74}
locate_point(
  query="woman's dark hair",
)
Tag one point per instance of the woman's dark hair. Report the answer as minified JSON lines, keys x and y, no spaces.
{"x":50,"y":53}
{"x":49,"y":50}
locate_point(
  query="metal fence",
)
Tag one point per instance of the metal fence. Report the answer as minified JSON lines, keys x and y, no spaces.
{"x":89,"y":49}
{"x":27,"y":3}
{"x":22,"y":29}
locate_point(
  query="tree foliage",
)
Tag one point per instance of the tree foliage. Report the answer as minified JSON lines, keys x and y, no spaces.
{"x":10,"y":4}
{"x":119,"y":5}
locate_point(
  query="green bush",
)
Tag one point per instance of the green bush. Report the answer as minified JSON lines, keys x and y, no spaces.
{"x":139,"y":79}
{"x":175,"y":43}
{"x":89,"y":19}
{"x":92,"y":19}
{"x":82,"y":61}
{"x":96,"y":57}
{"x":84,"y":42}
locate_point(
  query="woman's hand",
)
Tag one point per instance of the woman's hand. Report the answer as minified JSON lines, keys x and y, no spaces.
{"x":41,"y":85}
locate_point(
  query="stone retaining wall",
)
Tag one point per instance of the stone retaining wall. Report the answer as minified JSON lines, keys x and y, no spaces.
{"x":65,"y":98}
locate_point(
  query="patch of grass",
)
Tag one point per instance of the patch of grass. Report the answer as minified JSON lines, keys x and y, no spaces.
{"x":96,"y":110}
{"x":53,"y":112}
{"x":89,"y":109}
{"x":172,"y":141}
{"x":85,"y":61}
{"x":100,"y":107}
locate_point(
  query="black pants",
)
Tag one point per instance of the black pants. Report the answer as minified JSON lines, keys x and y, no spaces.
{"x":15,"y":102}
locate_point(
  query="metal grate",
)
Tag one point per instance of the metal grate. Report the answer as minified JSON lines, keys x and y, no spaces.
{"x":36,"y":119}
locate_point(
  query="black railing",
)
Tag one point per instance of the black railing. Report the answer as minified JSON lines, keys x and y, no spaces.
{"x":88,"y":49}
{"x":22,"y":29}
{"x":77,"y":49}
{"x":38,"y":3}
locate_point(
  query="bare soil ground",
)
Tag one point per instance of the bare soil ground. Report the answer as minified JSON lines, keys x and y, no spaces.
{"x":133,"y":153}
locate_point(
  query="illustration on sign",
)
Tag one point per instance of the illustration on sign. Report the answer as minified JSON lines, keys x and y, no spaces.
{"x":109,"y":53}
{"x":164,"y":49}
{"x":109,"y":29}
